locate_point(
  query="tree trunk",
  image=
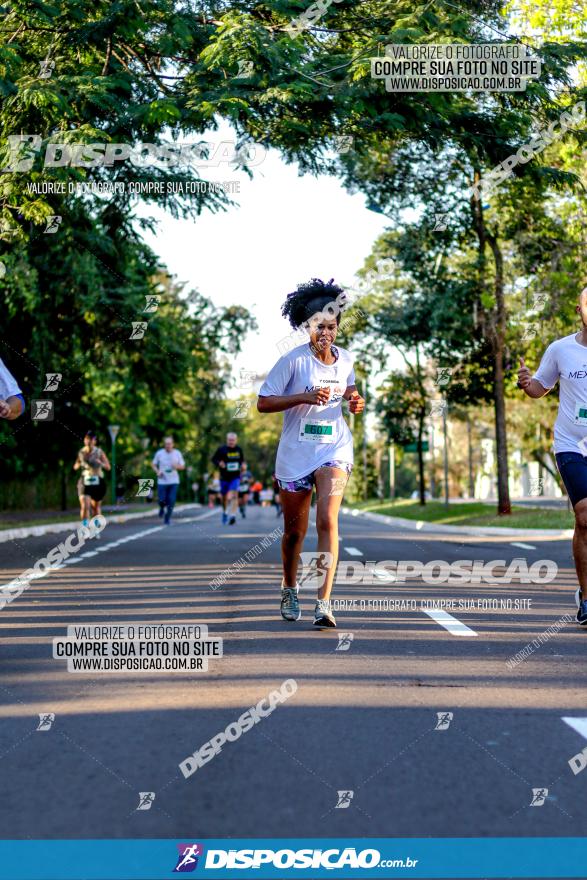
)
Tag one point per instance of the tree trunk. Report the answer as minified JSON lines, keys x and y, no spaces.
{"x":421,"y":458}
{"x":494,"y":327}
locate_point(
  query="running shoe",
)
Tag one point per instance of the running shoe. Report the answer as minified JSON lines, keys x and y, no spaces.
{"x":290,"y":607}
{"x":323,"y":615}
{"x":85,"y":523}
{"x":232,"y":520}
{"x":243,"y":512}
{"x":582,"y":613}
{"x":224,"y":519}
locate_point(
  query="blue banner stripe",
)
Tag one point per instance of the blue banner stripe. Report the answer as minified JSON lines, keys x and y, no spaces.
{"x":534,"y":857}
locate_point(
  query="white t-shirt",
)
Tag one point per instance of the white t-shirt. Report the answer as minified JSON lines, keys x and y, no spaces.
{"x":296,"y":372}
{"x":164,"y":460}
{"x":566,"y":360}
{"x":8,"y":384}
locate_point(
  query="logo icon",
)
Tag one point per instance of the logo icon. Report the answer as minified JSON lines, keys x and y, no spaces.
{"x":444,"y":719}
{"x":438,"y":408}
{"x":247,"y":377}
{"x":46,"y":69}
{"x":344,"y":799}
{"x":242,"y":409}
{"x":53,"y":224}
{"x":145,"y":487}
{"x":314,"y":568}
{"x":52,"y":381}
{"x":344,"y":641}
{"x":440,"y":224}
{"x":42,"y":410}
{"x":343,"y":143}
{"x":46,"y":720}
{"x":146,"y":799}
{"x":189,"y":853}
{"x":338,"y":485}
{"x":536,"y":486}
{"x":152,"y":303}
{"x":539,"y":795}
{"x":245,"y":69}
{"x":139,"y":328}
{"x":443,"y":375}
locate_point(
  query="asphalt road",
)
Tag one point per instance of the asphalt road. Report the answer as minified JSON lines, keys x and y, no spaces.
{"x":362,"y":719}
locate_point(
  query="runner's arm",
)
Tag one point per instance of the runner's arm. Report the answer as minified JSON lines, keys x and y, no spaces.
{"x":530,"y":386}
{"x":535,"y":389}
{"x":105,"y":462}
{"x":281,"y":402}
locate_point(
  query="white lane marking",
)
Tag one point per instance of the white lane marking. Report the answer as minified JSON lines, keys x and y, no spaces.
{"x":353,"y":551}
{"x":523,"y":546}
{"x":578,"y":724}
{"x":454,"y":626}
{"x":73,"y":560}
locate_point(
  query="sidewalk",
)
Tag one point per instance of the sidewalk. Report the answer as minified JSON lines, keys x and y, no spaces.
{"x":48,"y":528}
{"x":480,"y":531}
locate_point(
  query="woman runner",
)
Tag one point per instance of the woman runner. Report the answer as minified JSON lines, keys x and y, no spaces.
{"x":308,"y":385}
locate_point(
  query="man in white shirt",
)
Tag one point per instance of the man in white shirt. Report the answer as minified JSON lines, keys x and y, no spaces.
{"x":11,"y":398}
{"x":166,"y":464}
{"x":565,"y":361}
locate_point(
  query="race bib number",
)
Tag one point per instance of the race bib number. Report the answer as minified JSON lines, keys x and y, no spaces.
{"x":233,"y":466}
{"x":316,"y":431}
{"x":91,"y":480}
{"x":581,"y":413}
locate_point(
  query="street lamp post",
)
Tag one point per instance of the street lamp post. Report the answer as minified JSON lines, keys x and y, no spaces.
{"x":113,"y":431}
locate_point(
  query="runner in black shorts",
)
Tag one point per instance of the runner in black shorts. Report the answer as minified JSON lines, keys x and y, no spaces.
{"x":565,"y":361}
{"x":91,"y":486}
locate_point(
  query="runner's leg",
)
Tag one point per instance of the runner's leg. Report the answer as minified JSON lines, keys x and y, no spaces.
{"x":329,"y":499}
{"x":580,"y":545}
{"x":171,"y":496}
{"x":296,"y":510}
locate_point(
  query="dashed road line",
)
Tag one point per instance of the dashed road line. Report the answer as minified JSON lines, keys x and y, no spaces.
{"x":452,"y":624}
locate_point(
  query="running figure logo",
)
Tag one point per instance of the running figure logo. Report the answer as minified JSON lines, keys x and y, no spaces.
{"x":145,"y":487}
{"x":344,"y":641}
{"x":52,"y":381}
{"x":146,"y":799}
{"x":242,"y":409}
{"x":344,"y":799}
{"x":440,"y":224}
{"x":438,"y":408}
{"x":152,"y":303}
{"x":139,"y":328}
{"x":188,"y":857}
{"x":444,"y":719}
{"x":46,"y":720}
{"x":314,"y":568}
{"x":443,"y":375}
{"x":46,"y":69}
{"x":338,"y":486}
{"x":52,"y":225}
{"x":539,"y":795}
{"x":42,"y":410}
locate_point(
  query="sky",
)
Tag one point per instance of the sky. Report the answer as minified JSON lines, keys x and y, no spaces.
{"x":286,"y":229}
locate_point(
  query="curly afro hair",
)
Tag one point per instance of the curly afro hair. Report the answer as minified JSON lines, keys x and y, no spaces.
{"x":313,"y":297}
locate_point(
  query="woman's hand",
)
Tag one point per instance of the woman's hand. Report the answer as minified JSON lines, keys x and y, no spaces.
{"x":317,"y":397}
{"x":356,"y":403}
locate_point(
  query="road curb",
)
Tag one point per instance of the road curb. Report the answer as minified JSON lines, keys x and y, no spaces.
{"x":479,"y":531}
{"x":50,"y":528}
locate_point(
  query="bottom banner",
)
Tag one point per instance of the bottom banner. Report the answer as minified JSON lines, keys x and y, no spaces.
{"x":224,"y":859}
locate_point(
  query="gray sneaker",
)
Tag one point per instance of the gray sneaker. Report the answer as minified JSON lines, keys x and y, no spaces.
{"x":323,"y":615}
{"x":290,"y":607}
